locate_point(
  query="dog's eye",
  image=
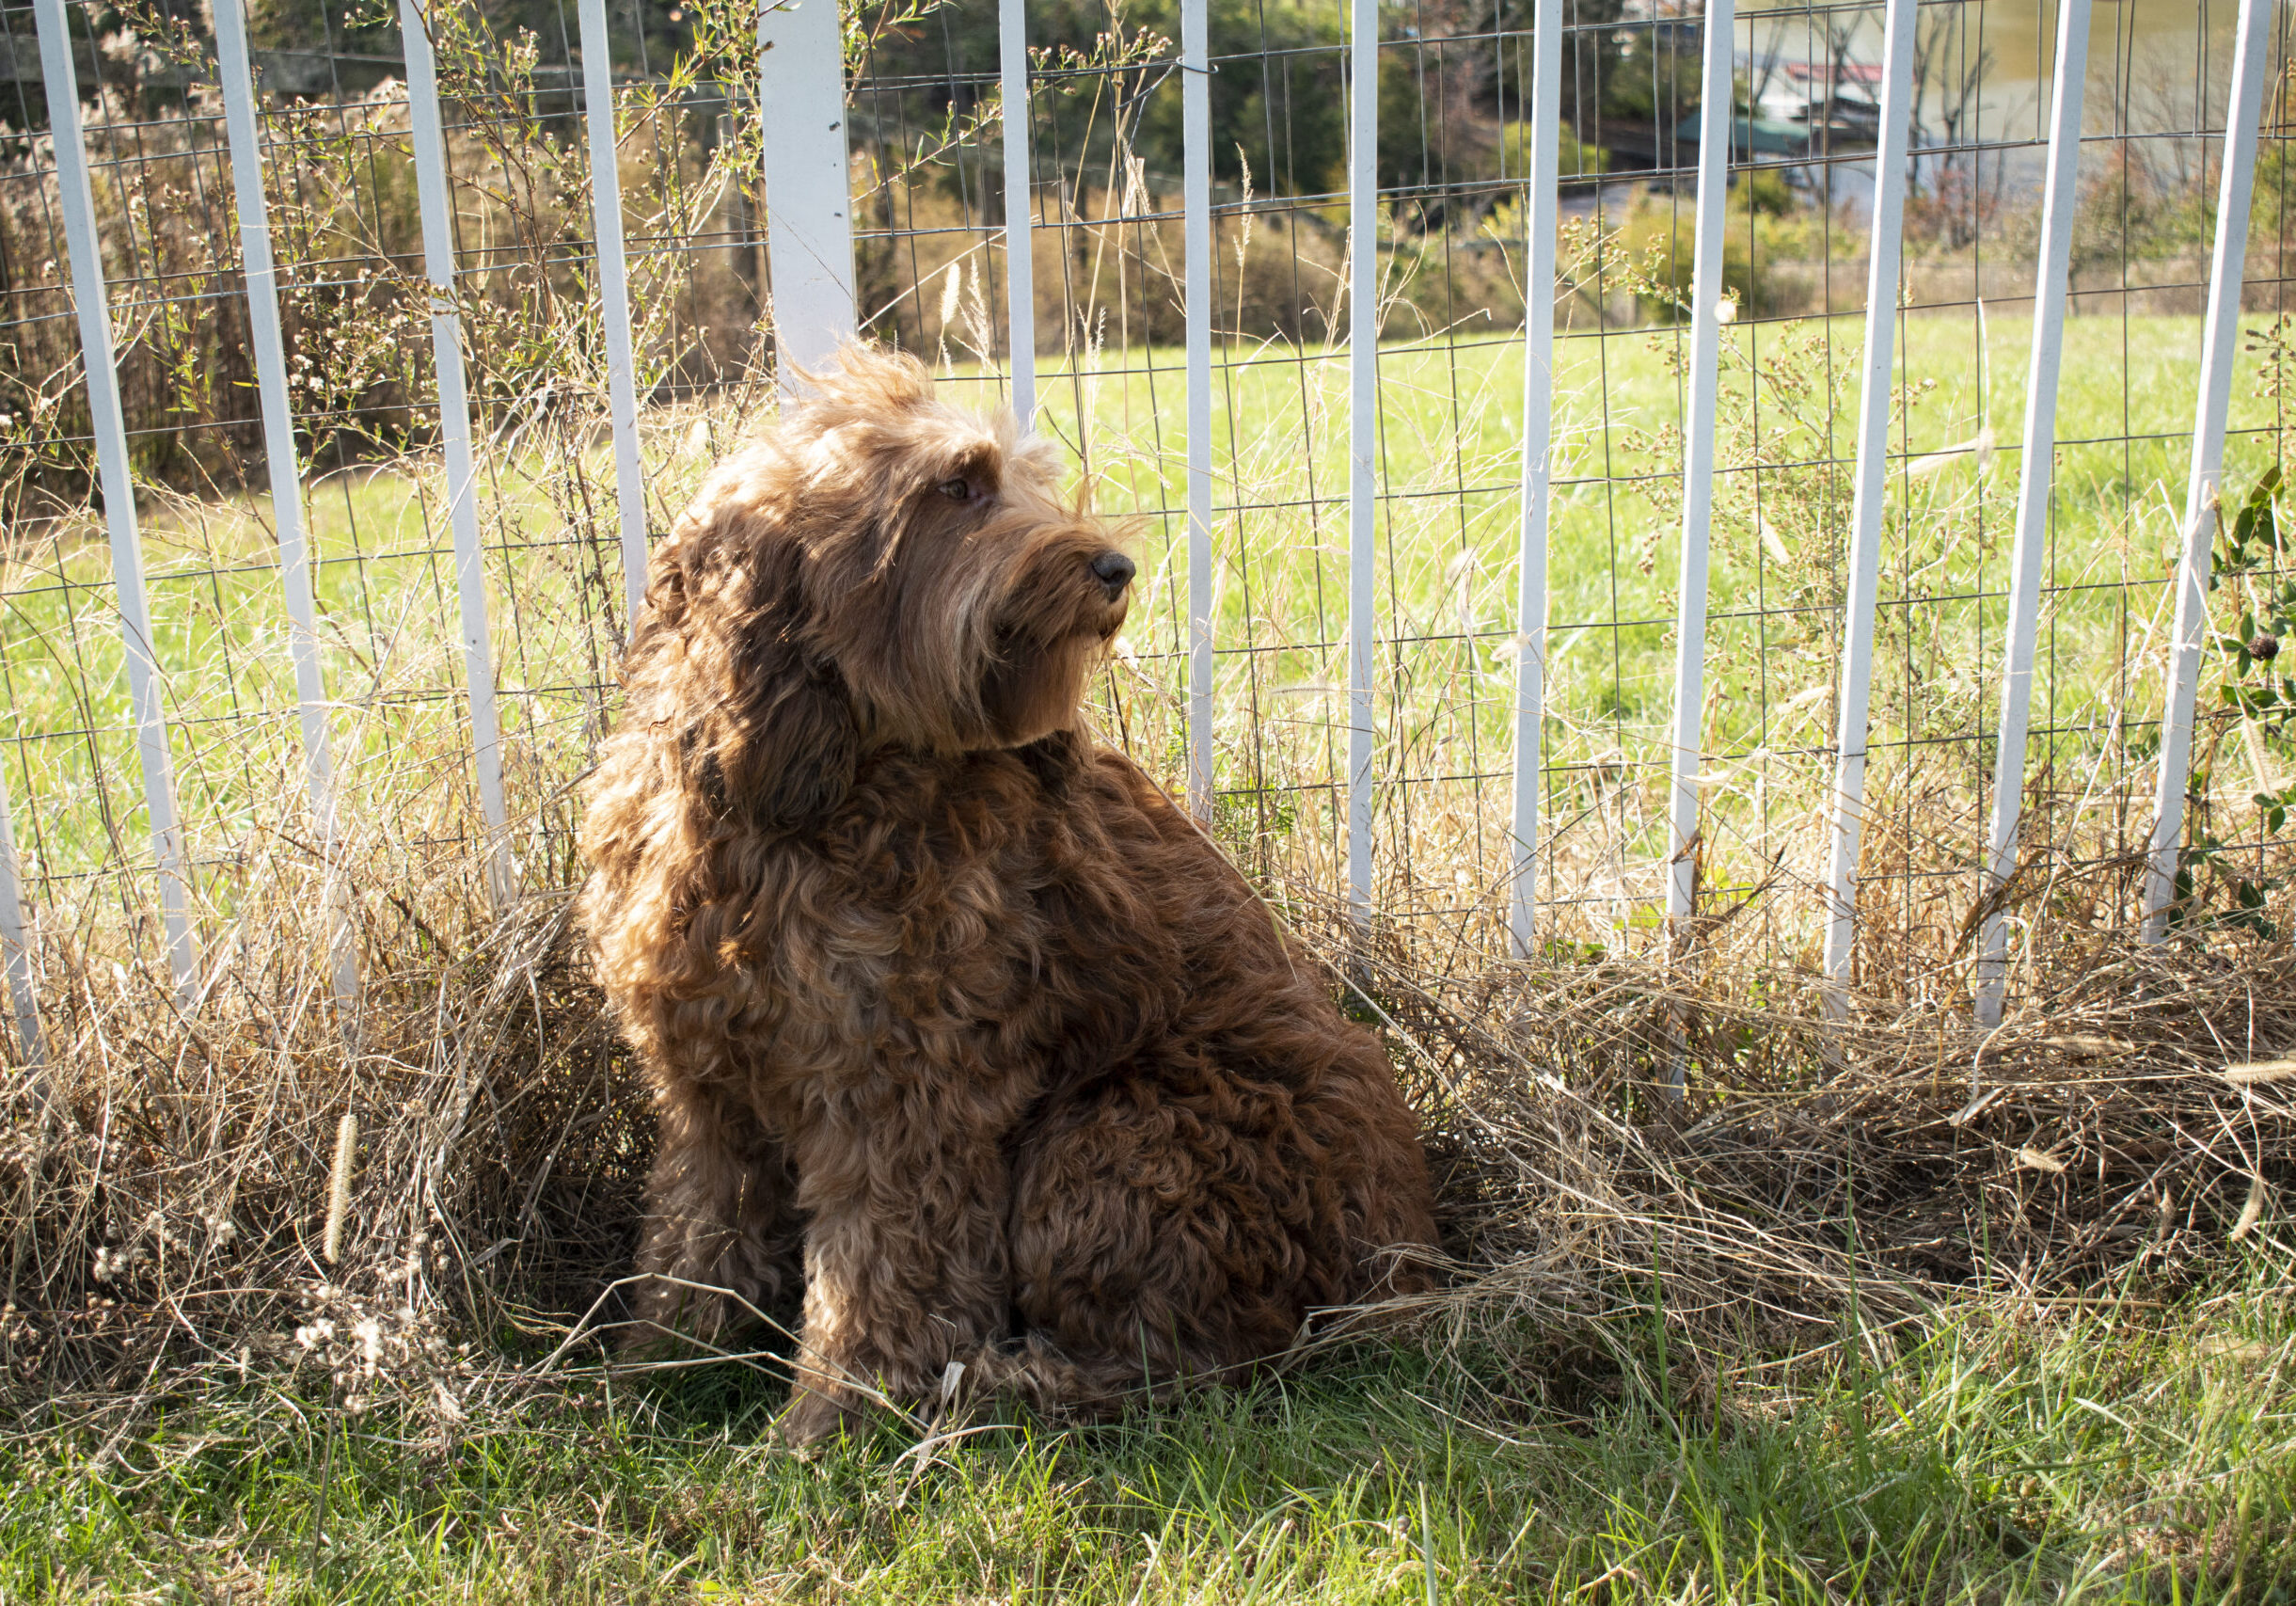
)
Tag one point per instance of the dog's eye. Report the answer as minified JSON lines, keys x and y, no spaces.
{"x":956,"y":490}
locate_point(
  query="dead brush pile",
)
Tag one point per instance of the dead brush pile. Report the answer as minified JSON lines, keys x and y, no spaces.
{"x":177,"y":1197}
{"x":170,"y":1174}
{"x":2130,"y":1119}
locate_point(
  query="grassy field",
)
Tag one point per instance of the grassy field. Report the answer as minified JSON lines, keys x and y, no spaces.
{"x":2139,"y":1445}
{"x":2118,"y":1451}
{"x":1767,"y":1293}
{"x":1448,"y":536}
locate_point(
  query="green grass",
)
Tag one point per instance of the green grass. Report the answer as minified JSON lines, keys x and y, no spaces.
{"x":1449,"y":461}
{"x":2106,"y":1452}
{"x":1451,"y":416}
{"x":1448,"y":532}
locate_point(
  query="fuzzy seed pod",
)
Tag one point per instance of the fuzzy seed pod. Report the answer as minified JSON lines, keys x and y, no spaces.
{"x":2264,"y":647}
{"x":339,"y":1185}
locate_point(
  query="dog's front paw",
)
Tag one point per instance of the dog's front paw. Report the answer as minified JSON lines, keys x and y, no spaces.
{"x":817,"y":1415}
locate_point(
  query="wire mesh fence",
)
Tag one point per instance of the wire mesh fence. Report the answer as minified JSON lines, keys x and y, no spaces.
{"x":1593,"y":696}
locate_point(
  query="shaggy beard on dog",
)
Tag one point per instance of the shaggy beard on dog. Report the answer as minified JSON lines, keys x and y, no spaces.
{"x":951,"y":1019}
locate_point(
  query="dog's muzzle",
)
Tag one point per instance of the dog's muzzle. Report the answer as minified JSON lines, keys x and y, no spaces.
{"x":1114,"y":571}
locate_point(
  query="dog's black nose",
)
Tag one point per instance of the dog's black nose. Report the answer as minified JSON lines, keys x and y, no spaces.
{"x":1114,"y":571}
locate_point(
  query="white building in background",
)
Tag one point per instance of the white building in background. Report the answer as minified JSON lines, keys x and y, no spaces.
{"x":1844,"y":101}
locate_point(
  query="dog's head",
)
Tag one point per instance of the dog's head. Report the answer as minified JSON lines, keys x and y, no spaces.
{"x":879,"y":570}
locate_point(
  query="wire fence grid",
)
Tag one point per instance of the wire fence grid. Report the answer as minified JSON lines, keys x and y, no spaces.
{"x":1814,"y":465}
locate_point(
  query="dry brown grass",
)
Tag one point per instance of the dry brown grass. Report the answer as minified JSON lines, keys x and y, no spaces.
{"x":168,"y":1171}
{"x":1812,"y":1164}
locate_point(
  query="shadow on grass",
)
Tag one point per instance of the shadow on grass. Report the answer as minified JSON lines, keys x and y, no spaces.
{"x":2107,"y":1452}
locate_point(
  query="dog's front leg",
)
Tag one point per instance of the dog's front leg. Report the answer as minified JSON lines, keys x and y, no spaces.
{"x":906,"y":1263}
{"x":720,"y":1216}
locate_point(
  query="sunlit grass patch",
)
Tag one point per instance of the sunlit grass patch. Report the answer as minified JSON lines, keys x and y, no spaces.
{"x":2112,"y":1449}
{"x":1448,"y":523}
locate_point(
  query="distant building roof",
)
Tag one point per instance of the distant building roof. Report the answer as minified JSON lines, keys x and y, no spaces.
{"x":1820,"y":72}
{"x":1758,"y":135}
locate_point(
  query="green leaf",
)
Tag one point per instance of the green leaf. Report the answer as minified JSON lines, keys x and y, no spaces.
{"x":2268,"y":484}
{"x":2254,"y":520}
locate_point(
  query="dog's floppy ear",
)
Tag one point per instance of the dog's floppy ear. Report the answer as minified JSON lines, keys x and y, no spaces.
{"x":785,"y":742}
{"x":769,"y":736}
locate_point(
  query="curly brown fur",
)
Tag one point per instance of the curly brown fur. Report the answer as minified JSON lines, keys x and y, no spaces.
{"x":932,"y":988}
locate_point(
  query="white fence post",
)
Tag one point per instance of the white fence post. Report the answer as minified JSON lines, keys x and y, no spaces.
{"x":2243,"y":116}
{"x":1890,"y":180}
{"x":1195,"y":202}
{"x":614,"y":297}
{"x":1019,"y":202}
{"x":1544,"y":181}
{"x":1714,"y":131}
{"x":1363,"y":433}
{"x":113,"y":472}
{"x":2037,"y":477}
{"x":286,"y":473}
{"x":15,"y":950}
{"x":436,"y":202}
{"x":809,"y":203}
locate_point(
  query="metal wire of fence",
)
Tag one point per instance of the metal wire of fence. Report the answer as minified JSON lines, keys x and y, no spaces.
{"x":1648,"y":523}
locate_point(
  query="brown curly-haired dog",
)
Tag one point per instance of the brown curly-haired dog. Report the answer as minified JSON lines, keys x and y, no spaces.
{"x":932,"y":987}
